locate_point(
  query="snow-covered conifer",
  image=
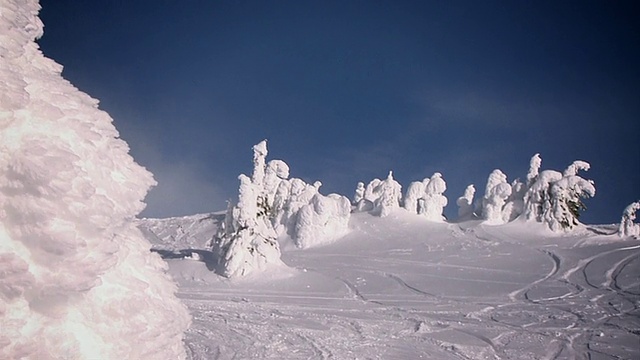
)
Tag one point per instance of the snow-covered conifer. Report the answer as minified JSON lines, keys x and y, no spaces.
{"x":359,"y":193}
{"x":566,"y":201}
{"x":556,"y":198}
{"x":259,"y":156}
{"x":496,"y":194}
{"x":627,"y":226}
{"x":572,"y":170}
{"x":415,"y":192}
{"x":247,"y":242}
{"x":77,"y":278}
{"x":371,"y":193}
{"x":537,"y":199}
{"x":534,"y":169}
{"x":434,"y":200}
{"x":515,"y":203}
{"x":325,"y":218}
{"x":465,"y":207}
{"x":275,"y":172}
{"x":389,"y":194}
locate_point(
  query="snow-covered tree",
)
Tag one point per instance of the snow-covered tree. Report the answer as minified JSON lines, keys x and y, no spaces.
{"x":247,"y":241}
{"x":434,"y":200}
{"x":359,"y":193}
{"x":369,"y":197}
{"x":325,"y":218}
{"x":566,"y":201}
{"x":415,"y":192}
{"x":270,"y":206}
{"x":627,"y":226}
{"x":389,"y":194}
{"x":77,"y":278}
{"x":556,"y":198}
{"x":534,"y":169}
{"x":515,"y":202}
{"x":465,"y":202}
{"x":496,"y":193}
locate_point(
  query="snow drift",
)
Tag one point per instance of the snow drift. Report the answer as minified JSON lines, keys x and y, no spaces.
{"x":77,"y":279}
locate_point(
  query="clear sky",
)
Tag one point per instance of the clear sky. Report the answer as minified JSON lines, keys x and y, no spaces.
{"x":345,"y":91}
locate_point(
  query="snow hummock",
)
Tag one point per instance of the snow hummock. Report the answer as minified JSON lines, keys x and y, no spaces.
{"x":77,"y":279}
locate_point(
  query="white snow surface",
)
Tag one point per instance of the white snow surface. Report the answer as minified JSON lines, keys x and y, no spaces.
{"x":77,"y":279}
{"x":403,"y":287}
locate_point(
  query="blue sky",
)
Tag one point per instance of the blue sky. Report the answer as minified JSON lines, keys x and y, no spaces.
{"x":347,"y":90}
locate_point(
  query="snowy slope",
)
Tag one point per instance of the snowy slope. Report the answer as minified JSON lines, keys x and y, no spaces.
{"x":402,"y":287}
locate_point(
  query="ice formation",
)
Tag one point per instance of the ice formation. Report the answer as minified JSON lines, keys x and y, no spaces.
{"x":77,"y":279}
{"x":627,"y":226}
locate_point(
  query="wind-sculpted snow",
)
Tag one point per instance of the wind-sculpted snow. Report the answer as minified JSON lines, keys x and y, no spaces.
{"x":400,"y":287}
{"x":77,"y":279}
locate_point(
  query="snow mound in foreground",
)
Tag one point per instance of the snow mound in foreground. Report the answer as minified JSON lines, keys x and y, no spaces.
{"x":69,"y":191}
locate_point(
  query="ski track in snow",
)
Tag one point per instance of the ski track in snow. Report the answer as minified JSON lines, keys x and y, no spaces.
{"x":446,"y":293}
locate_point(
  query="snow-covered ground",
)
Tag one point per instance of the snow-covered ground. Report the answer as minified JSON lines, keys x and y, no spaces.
{"x":402,"y":287}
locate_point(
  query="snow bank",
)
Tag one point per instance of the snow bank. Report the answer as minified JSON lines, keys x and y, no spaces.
{"x":77,"y":279}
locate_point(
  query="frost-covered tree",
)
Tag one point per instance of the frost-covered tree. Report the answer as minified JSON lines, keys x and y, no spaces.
{"x":515,"y":202}
{"x":247,"y":241}
{"x":276,"y":171}
{"x":627,"y":226}
{"x":389,"y":195}
{"x":415,"y":192}
{"x":465,"y":202}
{"x":534,"y":169}
{"x":270,"y":206}
{"x":496,"y":193}
{"x":555,"y":198}
{"x":359,"y":193}
{"x":325,"y":218}
{"x":434,"y":201}
{"x":77,"y":278}
{"x":566,"y":201}
{"x":370,"y":196}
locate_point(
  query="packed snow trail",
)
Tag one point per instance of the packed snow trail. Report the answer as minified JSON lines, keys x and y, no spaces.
{"x":403,"y":288}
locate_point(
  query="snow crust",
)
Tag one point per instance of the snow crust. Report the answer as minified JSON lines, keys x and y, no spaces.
{"x":77,"y":279}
